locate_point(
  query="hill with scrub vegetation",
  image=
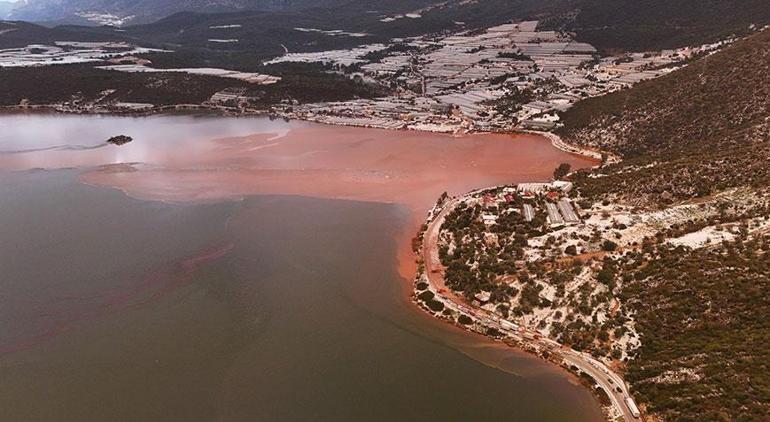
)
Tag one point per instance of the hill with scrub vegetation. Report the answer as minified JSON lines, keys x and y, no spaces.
{"x":697,"y":131}
{"x":695,"y":143}
{"x":665,"y":276}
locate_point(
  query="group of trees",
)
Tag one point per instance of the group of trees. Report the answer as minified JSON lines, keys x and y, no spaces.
{"x":55,"y":84}
{"x":474,"y":263}
{"x":704,"y":316}
{"x":644,"y":25}
{"x":84,"y":82}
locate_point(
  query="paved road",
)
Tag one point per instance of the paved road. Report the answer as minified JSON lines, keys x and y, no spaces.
{"x":611,"y":382}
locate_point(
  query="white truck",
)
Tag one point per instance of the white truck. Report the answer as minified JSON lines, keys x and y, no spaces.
{"x":632,"y":407}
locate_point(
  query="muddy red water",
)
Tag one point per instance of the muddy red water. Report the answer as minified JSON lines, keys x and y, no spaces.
{"x":411,"y":168}
{"x":404,"y":167}
{"x":175,"y":301}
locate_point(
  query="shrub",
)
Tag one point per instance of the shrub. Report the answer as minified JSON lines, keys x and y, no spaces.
{"x":426,"y":296}
{"x":561,"y":171}
{"x":435,"y":305}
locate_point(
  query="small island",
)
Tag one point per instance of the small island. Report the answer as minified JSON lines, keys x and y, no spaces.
{"x":120,"y":140}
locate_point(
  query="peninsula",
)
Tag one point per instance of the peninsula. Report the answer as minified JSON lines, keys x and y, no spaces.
{"x":599,"y":266}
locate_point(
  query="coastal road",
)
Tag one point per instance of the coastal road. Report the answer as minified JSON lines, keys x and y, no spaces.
{"x":608,"y":380}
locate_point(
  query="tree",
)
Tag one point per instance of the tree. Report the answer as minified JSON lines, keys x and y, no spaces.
{"x":426,"y":296}
{"x":435,"y":305}
{"x":465,"y":320}
{"x":561,"y":171}
{"x":606,"y":276}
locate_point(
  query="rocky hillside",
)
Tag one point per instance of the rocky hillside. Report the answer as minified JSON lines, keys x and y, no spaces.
{"x":699,"y":130}
{"x":696,"y":286}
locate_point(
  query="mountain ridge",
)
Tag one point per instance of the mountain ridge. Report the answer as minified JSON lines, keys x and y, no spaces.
{"x":612,"y":26}
{"x":144,"y":11}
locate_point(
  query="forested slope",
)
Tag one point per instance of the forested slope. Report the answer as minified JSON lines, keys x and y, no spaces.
{"x":640,"y":25}
{"x":699,"y":130}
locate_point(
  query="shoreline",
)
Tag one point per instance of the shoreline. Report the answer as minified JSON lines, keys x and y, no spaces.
{"x":405,"y":251}
{"x":221,"y":111}
{"x":157,"y":110}
{"x":457,"y":312}
{"x":558,"y":143}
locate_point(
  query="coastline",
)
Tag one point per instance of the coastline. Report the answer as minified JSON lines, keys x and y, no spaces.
{"x":358,"y":300}
{"x":156,"y":110}
{"x":405,"y":253}
{"x":558,"y":143}
{"x":456,"y":311}
{"x":407,"y":265}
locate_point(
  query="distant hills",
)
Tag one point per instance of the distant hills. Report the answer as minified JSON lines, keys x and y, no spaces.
{"x":659,"y":24}
{"x":266,"y":33}
{"x":144,"y":11}
{"x":20,"y":34}
{"x":265,"y":27}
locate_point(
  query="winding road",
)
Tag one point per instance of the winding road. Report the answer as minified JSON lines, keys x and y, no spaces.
{"x":605,"y":378}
